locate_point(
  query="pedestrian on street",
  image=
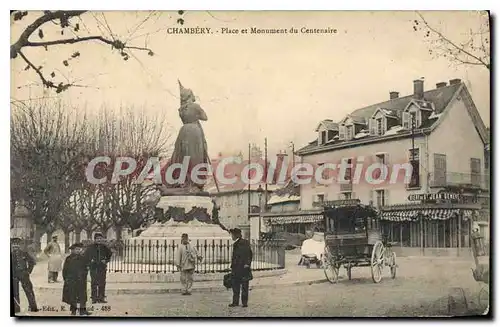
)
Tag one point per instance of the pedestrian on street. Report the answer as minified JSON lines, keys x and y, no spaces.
{"x":241,"y":272}
{"x":185,"y":260}
{"x":53,"y":251}
{"x":75,"y":271}
{"x":98,"y":255}
{"x":22,"y":264}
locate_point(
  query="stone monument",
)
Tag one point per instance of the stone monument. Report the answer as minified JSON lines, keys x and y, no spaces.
{"x":185,"y":207}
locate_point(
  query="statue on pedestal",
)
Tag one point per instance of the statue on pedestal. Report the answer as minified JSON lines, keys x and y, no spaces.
{"x":184,"y":208}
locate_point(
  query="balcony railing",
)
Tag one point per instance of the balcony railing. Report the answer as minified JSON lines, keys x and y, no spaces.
{"x":438,"y":179}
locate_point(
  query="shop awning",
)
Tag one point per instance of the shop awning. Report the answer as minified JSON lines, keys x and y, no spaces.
{"x":429,"y":214}
{"x":299,"y":219}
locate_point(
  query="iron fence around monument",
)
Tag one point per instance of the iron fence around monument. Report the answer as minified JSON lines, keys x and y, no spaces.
{"x":158,"y":257}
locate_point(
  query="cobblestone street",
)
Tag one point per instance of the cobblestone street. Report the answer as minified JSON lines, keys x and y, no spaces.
{"x":421,"y":288}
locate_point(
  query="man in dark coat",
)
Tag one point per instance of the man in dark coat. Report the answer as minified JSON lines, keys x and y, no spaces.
{"x":240,"y":268}
{"x":75,"y":271}
{"x":98,"y":255}
{"x":22,"y":264}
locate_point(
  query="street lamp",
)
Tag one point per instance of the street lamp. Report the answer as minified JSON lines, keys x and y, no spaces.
{"x":259,"y":193}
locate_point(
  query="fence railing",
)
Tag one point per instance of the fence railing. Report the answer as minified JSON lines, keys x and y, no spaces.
{"x":158,"y":256}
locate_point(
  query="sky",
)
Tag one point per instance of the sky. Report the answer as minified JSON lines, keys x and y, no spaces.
{"x":251,"y":86}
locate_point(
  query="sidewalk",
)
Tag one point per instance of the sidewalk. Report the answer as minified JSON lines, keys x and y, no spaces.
{"x":408,"y":268}
{"x":291,"y":275}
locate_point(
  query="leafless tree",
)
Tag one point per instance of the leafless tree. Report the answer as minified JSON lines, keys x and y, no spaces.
{"x":48,"y":145}
{"x":473,"y":50}
{"x":133,"y":134}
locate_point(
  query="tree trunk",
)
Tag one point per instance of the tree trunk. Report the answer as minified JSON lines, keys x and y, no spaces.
{"x":89,"y":233}
{"x":49,"y":236}
{"x":37,"y":238}
{"x":66,"y":241}
{"x":78,"y":235}
{"x":118,"y":231}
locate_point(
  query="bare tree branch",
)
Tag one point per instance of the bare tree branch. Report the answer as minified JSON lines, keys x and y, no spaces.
{"x":63,"y":17}
{"x":462,"y":53}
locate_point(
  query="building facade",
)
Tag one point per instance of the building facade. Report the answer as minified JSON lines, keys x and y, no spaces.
{"x":437,"y":133}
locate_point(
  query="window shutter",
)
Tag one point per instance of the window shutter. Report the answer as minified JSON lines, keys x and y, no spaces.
{"x":418,"y":119}
{"x":342,"y":132}
{"x":384,"y":125}
{"x":373,"y":126}
{"x":406,"y":120}
{"x":386,"y":195}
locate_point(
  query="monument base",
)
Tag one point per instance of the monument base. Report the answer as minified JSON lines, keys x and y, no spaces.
{"x":188,"y":214}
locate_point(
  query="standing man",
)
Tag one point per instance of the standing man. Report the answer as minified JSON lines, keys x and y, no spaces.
{"x":22,"y":264}
{"x":75,"y":271}
{"x":53,"y":251}
{"x":240,"y":268}
{"x":98,"y":254}
{"x":185,"y":260}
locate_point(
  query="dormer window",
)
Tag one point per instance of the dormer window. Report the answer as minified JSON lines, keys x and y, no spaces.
{"x":349,"y":132}
{"x":378,"y":122}
{"x":412,"y":116}
{"x":380,"y":126}
{"x":327,"y":130}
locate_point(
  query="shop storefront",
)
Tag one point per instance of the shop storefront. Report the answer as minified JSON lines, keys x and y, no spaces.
{"x":443,"y":224}
{"x":295,"y":222}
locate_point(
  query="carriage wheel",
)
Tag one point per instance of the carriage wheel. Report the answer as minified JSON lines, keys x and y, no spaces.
{"x":330,"y":268}
{"x":331,"y":272}
{"x":392,"y":265}
{"x":484,"y":298}
{"x":377,"y":261}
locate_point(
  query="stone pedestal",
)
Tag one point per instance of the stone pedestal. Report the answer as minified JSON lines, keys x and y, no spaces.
{"x":190,"y":214}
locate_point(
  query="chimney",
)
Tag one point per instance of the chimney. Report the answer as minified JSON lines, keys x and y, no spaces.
{"x":418,"y":89}
{"x":393,"y":95}
{"x":455,"y":81}
{"x":440,"y":84}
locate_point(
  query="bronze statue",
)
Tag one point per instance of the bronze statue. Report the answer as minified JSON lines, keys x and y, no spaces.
{"x":190,"y":143}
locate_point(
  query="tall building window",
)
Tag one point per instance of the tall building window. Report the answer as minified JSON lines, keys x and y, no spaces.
{"x":380,"y":198}
{"x":415,"y":163}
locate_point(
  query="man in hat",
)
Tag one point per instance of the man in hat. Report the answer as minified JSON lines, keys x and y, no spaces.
{"x":98,"y":255}
{"x":240,"y":268}
{"x":53,"y":251}
{"x":185,"y":260}
{"x":75,"y":271}
{"x":22,"y":264}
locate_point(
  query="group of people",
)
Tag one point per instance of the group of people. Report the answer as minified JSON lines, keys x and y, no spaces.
{"x":95,"y":259}
{"x":186,"y":258}
{"x":75,"y":269}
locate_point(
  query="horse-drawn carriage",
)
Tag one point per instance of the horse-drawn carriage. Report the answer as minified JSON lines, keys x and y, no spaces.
{"x":353,"y":238}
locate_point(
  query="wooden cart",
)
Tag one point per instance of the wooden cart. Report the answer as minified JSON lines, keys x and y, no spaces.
{"x":353,"y":238}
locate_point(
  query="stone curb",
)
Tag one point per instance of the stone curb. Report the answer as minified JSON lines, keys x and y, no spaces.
{"x":214,"y":288}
